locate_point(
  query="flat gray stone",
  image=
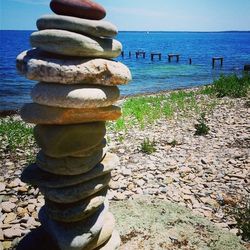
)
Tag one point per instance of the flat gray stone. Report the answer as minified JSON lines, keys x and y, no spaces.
{"x":37,"y":177}
{"x":72,"y":44}
{"x":70,"y":140}
{"x":77,"y":192}
{"x":41,"y":66}
{"x":75,"y":211}
{"x":113,"y":243}
{"x":77,"y":235}
{"x":69,"y":165}
{"x":74,"y":96}
{"x":42,"y":114}
{"x":78,"y":25}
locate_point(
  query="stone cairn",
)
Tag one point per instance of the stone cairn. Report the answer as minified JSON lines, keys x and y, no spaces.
{"x":77,"y":87}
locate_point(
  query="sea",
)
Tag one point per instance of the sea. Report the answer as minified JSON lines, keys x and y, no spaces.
{"x":148,"y":76}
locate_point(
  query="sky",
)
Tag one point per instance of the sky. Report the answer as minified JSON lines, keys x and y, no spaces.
{"x":143,"y":15}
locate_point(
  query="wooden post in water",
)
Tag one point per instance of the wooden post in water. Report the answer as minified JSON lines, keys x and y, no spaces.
{"x":214,"y":59}
{"x":130,"y":54}
{"x":139,"y":53}
{"x":190,"y":61}
{"x":155,"y":54}
{"x":170,"y":56}
{"x":122,"y":54}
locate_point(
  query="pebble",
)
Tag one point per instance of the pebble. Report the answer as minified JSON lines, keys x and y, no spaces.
{"x":8,"y":206}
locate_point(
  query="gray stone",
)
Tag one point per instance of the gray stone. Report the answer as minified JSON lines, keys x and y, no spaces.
{"x":42,"y":114}
{"x":38,"y":65}
{"x":70,"y":140}
{"x":72,"y":44}
{"x":105,"y":233}
{"x":77,"y":192}
{"x":77,"y":235}
{"x":113,"y":243}
{"x":74,"y":96}
{"x":78,"y":25}
{"x":37,"y":177}
{"x":69,"y":165}
{"x":75,"y":211}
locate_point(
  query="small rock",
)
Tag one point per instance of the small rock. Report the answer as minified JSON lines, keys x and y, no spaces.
{"x":12,"y":232}
{"x":2,"y":186}
{"x":9,"y":217}
{"x":1,"y":234}
{"x":8,"y":206}
{"x":6,"y":245}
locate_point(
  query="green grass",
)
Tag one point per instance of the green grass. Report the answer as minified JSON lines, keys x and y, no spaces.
{"x":148,"y":146}
{"x":15,"y":134}
{"x":231,"y":86}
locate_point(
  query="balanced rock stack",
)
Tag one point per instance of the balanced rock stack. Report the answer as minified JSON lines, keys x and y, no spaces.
{"x":73,"y":99}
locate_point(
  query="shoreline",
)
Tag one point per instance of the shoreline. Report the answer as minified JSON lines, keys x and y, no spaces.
{"x":12,"y":112}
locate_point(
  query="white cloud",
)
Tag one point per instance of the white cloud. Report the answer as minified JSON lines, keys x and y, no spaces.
{"x":35,"y":2}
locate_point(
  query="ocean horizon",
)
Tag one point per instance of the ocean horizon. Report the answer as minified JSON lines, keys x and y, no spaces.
{"x":148,"y":76}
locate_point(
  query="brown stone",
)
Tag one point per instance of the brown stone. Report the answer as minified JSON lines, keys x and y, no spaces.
{"x":78,"y":8}
{"x":41,"y":114}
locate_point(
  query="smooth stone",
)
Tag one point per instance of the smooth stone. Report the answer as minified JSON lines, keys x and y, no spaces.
{"x":70,"y":140}
{"x":78,"y":25}
{"x":37,"y":177}
{"x":42,"y":114}
{"x":78,"y":8}
{"x":76,"y":235}
{"x":75,"y":211}
{"x":74,"y":96}
{"x":72,"y":44}
{"x":41,"y":66}
{"x":77,"y":192}
{"x":105,"y":234}
{"x":113,"y":243}
{"x":69,"y":165}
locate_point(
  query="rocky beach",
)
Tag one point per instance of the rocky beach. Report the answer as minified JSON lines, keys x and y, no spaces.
{"x":208,"y":174}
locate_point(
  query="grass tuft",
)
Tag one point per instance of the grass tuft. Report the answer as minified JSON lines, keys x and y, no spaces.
{"x":148,"y":146}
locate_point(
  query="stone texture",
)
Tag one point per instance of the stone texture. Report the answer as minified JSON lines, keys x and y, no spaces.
{"x":69,"y":165}
{"x":75,"y":211}
{"x":78,"y":8}
{"x":105,"y":233}
{"x":77,"y":192}
{"x":42,"y":114}
{"x":37,"y":177}
{"x":77,"y":235}
{"x":38,"y":65}
{"x":74,"y":96}
{"x":113,"y":243}
{"x":70,"y":140}
{"x":72,"y":44}
{"x":78,"y":25}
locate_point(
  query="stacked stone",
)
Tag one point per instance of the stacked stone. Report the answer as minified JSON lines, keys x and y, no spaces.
{"x":74,"y":97}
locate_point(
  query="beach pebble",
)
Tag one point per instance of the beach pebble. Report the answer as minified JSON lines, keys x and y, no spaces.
{"x":78,"y":8}
{"x":67,"y":140}
{"x":37,"y":177}
{"x":77,"y":192}
{"x":41,"y":66}
{"x":42,"y":114}
{"x":74,"y":96}
{"x":78,"y":25}
{"x":113,"y":243}
{"x":76,"y":211}
{"x":69,"y":165}
{"x":72,"y":44}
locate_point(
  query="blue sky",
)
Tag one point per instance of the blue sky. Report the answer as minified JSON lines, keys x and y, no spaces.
{"x":167,"y":15}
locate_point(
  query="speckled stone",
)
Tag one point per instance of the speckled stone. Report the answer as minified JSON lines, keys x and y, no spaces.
{"x":70,"y":140}
{"x":67,"y":43}
{"x":37,"y":177}
{"x":75,"y":211}
{"x":41,"y":66}
{"x":77,"y":192}
{"x":69,"y":165}
{"x":42,"y":114}
{"x":74,"y":96}
{"x":78,"y":8}
{"x":78,"y":25}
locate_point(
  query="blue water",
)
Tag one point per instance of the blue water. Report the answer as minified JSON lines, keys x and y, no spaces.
{"x":148,"y":76}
